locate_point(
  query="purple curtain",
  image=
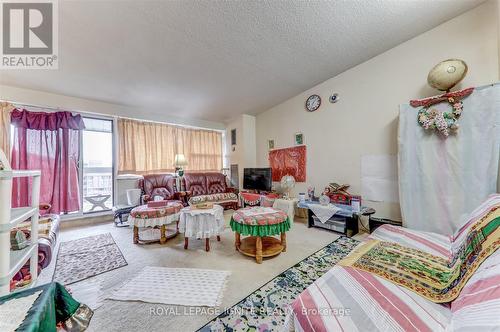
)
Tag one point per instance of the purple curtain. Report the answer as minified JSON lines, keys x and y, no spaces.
{"x":49,"y":142}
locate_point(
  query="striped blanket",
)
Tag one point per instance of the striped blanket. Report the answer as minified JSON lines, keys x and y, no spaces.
{"x":435,"y":278}
{"x":348,"y":299}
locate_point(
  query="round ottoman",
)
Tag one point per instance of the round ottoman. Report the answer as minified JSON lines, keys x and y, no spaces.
{"x":260,"y":224}
{"x":144,"y":216}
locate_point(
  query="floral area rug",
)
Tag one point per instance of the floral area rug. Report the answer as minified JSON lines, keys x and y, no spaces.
{"x":266,"y":308}
{"x":87,"y":257}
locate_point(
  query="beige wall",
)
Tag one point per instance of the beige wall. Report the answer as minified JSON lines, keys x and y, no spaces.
{"x":365,"y":119}
{"x":41,"y":98}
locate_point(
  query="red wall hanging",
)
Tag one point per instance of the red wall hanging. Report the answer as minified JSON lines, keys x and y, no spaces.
{"x":288,"y":161}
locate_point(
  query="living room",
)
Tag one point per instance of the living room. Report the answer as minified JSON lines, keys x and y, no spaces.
{"x":250,"y":165}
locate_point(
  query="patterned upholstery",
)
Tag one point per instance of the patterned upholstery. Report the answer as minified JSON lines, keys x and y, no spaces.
{"x":209,"y":186}
{"x":214,"y":198}
{"x":216,"y":183}
{"x":260,"y":216}
{"x":196,"y":183}
{"x":47,"y":240}
{"x":158,"y":185}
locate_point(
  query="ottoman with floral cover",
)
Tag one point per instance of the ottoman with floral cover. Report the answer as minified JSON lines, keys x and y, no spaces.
{"x":260,"y":224}
{"x":144,"y":216}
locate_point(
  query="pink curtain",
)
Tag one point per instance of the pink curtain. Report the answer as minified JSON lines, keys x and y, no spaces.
{"x":49,"y":142}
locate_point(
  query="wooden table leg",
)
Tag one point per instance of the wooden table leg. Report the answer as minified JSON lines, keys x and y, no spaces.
{"x":207,"y":244}
{"x":283,"y":241}
{"x":163,"y":238}
{"x":186,"y":241}
{"x":136,"y":235}
{"x":258,"y":250}
{"x":237,"y":240}
{"x":218,"y":238}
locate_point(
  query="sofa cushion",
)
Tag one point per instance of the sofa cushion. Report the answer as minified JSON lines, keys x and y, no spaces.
{"x":477,"y":307}
{"x":196,"y":183}
{"x":216,"y":183}
{"x":214,"y":198}
{"x":346,"y":299}
{"x":432,"y":243}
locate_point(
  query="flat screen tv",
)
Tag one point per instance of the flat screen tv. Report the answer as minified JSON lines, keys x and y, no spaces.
{"x":257,"y":179}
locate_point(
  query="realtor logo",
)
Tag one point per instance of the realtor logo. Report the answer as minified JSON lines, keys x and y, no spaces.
{"x":29,"y":34}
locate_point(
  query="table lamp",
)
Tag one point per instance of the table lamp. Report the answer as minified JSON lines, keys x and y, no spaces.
{"x":179,"y":162}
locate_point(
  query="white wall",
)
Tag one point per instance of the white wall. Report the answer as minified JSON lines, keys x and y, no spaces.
{"x":40,"y":98}
{"x":365,"y":119}
{"x":244,"y":153}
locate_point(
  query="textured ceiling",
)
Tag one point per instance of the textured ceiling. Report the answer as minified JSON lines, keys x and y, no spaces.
{"x":213,"y":60}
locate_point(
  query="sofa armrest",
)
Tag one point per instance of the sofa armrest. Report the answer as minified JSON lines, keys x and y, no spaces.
{"x":145,"y":199}
{"x":231,"y":190}
{"x":183,"y":196}
{"x":44,"y":208}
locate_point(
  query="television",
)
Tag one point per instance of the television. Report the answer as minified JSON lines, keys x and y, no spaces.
{"x":257,"y":179}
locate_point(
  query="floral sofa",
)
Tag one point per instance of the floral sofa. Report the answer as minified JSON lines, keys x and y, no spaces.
{"x":209,"y":187}
{"x":348,"y":299}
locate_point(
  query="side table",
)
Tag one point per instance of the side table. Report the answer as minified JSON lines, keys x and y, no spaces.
{"x":144,"y":216}
{"x":260,"y":224}
{"x":201,"y":224}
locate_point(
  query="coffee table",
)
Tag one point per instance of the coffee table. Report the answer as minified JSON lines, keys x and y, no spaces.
{"x":260,"y":224}
{"x":201,"y":224}
{"x":144,"y":216}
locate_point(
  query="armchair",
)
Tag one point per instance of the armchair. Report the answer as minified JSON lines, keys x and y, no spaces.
{"x":163,"y":185}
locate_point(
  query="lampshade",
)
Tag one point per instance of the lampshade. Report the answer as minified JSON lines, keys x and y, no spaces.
{"x":180,"y":160}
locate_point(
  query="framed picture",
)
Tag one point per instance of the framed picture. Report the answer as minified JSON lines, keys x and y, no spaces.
{"x":299,"y":138}
{"x":270,"y":144}
{"x":233,"y":136}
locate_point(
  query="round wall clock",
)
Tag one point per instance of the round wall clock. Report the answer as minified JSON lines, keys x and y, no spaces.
{"x":313,"y":103}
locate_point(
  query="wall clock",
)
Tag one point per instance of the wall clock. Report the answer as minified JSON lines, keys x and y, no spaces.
{"x":313,"y":103}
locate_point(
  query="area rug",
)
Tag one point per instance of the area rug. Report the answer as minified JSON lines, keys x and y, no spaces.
{"x":266,"y":308}
{"x":181,"y":286}
{"x":87,"y":257}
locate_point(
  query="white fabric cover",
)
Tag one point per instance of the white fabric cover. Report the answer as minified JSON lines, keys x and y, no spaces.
{"x":202,"y":223}
{"x":14,"y":311}
{"x":188,"y":287}
{"x":152,"y":222}
{"x":323,"y":212}
{"x":287,"y":206}
{"x":442,"y":180}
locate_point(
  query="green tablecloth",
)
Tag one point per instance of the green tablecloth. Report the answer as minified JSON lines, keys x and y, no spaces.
{"x":54,"y":305}
{"x":260,"y":230}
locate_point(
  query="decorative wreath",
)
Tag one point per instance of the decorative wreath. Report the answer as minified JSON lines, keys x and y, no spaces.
{"x":443,"y":122}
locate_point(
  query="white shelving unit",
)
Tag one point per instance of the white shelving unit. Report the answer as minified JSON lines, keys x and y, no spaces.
{"x":12,"y":261}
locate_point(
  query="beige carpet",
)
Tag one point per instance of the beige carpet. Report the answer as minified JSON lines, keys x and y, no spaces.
{"x":246,"y":275}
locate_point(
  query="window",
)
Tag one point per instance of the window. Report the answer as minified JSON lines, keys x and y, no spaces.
{"x":97,"y":160}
